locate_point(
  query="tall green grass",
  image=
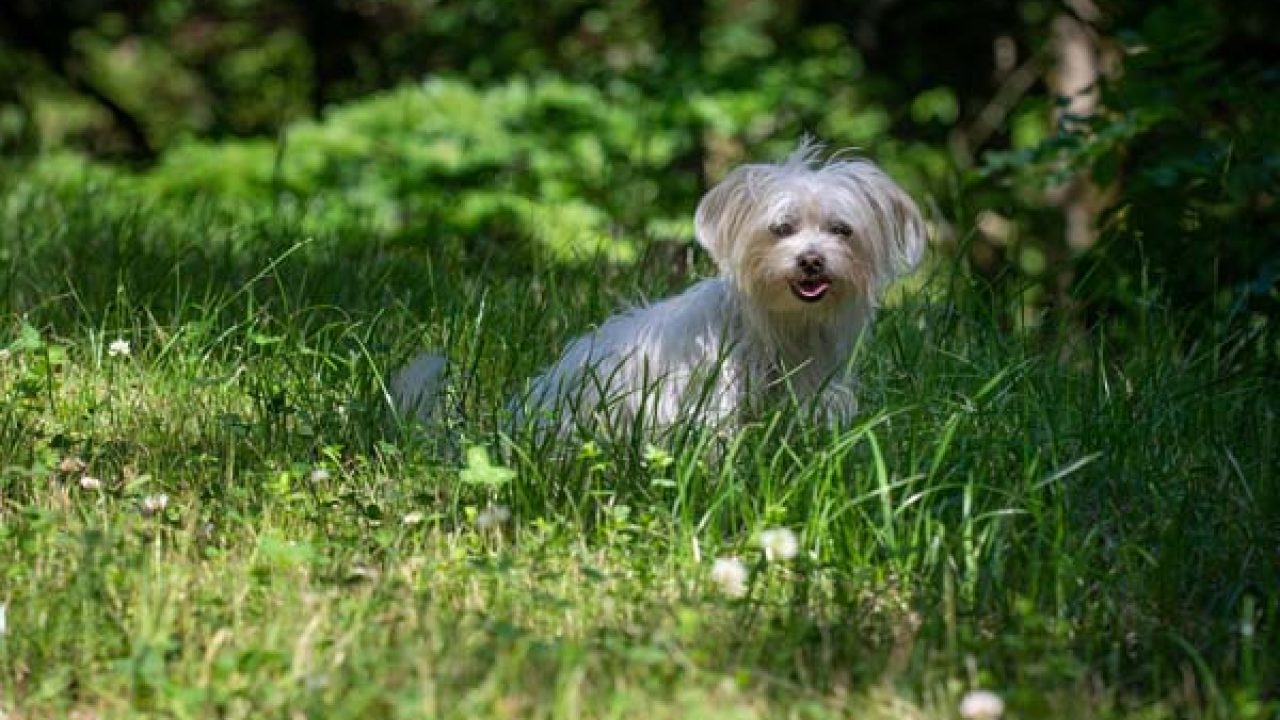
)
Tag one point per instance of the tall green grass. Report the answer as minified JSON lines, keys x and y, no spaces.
{"x":1088,"y":530}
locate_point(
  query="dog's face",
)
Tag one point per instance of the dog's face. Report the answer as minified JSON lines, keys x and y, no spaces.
{"x":808,"y":238}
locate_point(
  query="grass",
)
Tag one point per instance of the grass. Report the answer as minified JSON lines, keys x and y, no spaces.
{"x":1088,"y":530}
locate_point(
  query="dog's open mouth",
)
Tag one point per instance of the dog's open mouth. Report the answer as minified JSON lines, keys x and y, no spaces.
{"x":810,"y":289}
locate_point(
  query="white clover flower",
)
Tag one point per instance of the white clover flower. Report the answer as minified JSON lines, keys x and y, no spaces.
{"x":780,"y":544}
{"x":320,"y":475}
{"x":5,"y":354}
{"x":413,"y":518}
{"x":731,"y":576}
{"x":153,"y":504}
{"x":981,"y":705}
{"x":71,"y":465}
{"x":90,"y":483}
{"x":119,"y":348}
{"x":492,"y":516}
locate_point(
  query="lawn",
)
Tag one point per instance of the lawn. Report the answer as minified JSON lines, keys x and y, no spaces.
{"x":207,"y":510}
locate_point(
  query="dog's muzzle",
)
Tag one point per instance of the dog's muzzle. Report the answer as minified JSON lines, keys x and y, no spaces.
{"x":815,"y":283}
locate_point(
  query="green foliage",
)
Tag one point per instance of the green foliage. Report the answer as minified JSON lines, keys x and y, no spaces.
{"x":576,"y":129}
{"x":206,"y":508}
{"x":445,"y":163}
{"x":1189,"y":149}
{"x":548,"y":168}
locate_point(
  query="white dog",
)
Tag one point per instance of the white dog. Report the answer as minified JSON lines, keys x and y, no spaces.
{"x":804,"y":249}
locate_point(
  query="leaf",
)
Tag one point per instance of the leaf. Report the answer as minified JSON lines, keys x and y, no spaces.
{"x":481,"y":471}
{"x":28,"y":339}
{"x":656,"y":458}
{"x":258,"y":338}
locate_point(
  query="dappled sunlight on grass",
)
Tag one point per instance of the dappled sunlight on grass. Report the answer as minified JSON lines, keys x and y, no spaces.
{"x":207,"y":509}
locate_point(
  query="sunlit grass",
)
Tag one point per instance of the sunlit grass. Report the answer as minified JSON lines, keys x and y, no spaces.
{"x":1086,"y":530}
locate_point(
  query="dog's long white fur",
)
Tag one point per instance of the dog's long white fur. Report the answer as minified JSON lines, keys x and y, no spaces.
{"x":764,"y":325}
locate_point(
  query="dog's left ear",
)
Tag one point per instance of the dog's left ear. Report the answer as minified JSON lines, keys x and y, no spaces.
{"x":893,"y":217}
{"x":906,"y":230}
{"x":719,"y":219}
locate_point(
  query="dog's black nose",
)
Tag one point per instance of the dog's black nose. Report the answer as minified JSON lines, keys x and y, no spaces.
{"x":810,"y":262}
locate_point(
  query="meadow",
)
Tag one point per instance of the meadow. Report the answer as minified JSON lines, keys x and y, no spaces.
{"x":208,"y":510}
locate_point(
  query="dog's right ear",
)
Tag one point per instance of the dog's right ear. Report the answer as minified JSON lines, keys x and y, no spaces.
{"x":724,"y":211}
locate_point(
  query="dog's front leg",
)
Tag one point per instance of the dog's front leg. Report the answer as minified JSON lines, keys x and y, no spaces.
{"x":838,"y":405}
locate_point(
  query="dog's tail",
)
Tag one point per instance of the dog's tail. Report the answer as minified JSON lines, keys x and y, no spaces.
{"x":415,"y":390}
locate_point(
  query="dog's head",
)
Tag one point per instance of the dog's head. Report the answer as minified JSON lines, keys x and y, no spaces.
{"x":810,"y":236}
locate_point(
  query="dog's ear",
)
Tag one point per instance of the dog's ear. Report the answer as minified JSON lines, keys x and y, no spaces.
{"x":719,"y":220}
{"x":892,"y":218}
{"x":907,"y":232}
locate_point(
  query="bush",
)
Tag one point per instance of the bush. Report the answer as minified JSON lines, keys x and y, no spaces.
{"x":553,"y":169}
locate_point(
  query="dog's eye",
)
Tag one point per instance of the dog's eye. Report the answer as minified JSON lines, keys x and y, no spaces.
{"x":841,"y":229}
{"x":782,"y":229}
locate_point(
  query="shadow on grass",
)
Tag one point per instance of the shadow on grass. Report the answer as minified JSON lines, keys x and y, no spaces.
{"x":1161,"y":537}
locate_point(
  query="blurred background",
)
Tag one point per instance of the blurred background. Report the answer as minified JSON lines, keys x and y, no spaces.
{"x":1088,"y":159}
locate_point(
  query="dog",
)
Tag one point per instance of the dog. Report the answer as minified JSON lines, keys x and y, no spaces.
{"x":804,"y":249}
